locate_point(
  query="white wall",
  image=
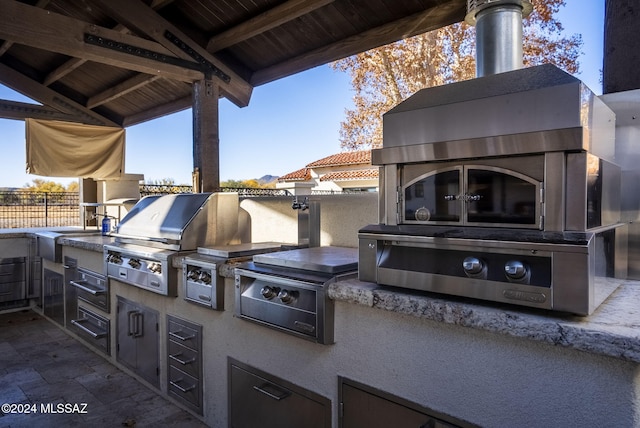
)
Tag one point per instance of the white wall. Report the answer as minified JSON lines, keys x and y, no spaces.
{"x":341,"y":216}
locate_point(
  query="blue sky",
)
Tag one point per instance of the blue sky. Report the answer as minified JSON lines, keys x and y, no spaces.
{"x":288,"y":123}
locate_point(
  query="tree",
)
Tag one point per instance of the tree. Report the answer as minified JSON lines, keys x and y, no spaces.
{"x":41,"y":185}
{"x":385,"y":76}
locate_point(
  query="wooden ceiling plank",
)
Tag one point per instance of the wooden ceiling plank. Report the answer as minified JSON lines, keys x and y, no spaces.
{"x":158,"y":111}
{"x":121,"y":89}
{"x":42,"y":94}
{"x":266,"y":21}
{"x":141,"y":18}
{"x":63,"y":70}
{"x":421,"y":22}
{"x":7,"y":44}
{"x":21,"y":111}
{"x":35,"y":27}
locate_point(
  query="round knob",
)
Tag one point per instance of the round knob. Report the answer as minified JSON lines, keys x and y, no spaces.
{"x":423,"y":214}
{"x":269,"y":292}
{"x":515,"y":269}
{"x":205,"y":277}
{"x":286,"y":296}
{"x":472,"y":265}
{"x":134,"y":263}
{"x":193,"y":274}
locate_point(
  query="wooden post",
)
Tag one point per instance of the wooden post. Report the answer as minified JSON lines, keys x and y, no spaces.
{"x":206,"y":140}
{"x":621,"y":46}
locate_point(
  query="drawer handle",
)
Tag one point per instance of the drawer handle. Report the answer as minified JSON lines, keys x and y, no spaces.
{"x":83,"y":287}
{"x":181,"y":336}
{"x":277,"y":394}
{"x":183,"y":362}
{"x":203,"y":297}
{"x":79,"y":323}
{"x":184,"y":390}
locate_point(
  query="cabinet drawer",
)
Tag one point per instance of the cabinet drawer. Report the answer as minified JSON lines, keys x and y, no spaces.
{"x":185,"y":359}
{"x":93,"y":328}
{"x":184,"y":333}
{"x":184,"y":387}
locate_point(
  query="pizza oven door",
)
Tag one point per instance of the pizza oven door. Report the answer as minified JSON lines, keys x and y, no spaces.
{"x":471,"y":195}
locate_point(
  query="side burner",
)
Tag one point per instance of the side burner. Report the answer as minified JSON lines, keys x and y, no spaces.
{"x":287,"y":290}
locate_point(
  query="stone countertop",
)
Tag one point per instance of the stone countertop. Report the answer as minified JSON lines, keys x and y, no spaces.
{"x":89,"y":243}
{"x":612,"y":330}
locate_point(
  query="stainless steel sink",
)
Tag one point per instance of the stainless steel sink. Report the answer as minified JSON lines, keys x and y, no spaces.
{"x":47,"y":242}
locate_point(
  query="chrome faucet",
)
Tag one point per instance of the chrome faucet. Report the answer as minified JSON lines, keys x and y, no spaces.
{"x":297,"y":205}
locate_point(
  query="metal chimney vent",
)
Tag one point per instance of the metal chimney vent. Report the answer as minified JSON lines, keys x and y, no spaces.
{"x":498,"y":33}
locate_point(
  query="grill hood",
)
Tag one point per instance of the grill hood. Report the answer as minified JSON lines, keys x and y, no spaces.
{"x":529,"y":110}
{"x":181,"y":222}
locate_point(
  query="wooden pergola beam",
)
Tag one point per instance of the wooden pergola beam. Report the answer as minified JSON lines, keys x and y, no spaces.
{"x":272,"y":18}
{"x":41,"y":29}
{"x":141,"y":18}
{"x":398,"y":30}
{"x":42,"y":94}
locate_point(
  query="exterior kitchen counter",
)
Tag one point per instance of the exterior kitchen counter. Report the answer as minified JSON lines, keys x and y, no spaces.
{"x":612,"y":330}
{"x":89,"y":243}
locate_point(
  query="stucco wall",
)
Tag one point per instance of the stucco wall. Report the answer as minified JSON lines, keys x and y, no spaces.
{"x":266,"y":219}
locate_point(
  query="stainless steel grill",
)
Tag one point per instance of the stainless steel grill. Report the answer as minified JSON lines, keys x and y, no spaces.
{"x":159,"y":227}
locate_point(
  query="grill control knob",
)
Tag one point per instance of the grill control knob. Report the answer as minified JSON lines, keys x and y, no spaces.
{"x":134,"y":263}
{"x":193,"y":274}
{"x":205,"y":277}
{"x":515,"y":270}
{"x":286,"y":296}
{"x":472,"y":265}
{"x":269,"y":292}
{"x":155,"y":267}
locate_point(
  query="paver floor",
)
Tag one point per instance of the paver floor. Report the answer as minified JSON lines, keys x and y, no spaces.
{"x":43,"y":370}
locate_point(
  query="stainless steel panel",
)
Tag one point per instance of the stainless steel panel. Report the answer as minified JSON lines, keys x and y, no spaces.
{"x":368,"y":255}
{"x":240,"y":250}
{"x":502,"y":145}
{"x":137,"y":340}
{"x":92,"y":288}
{"x":202,"y":284}
{"x":70,"y":294}
{"x":184,"y":358}
{"x":185,"y":387}
{"x":534,"y":99}
{"x":317,"y":259}
{"x":144,"y":267}
{"x":93,"y":328}
{"x":259,"y":399}
{"x":309,"y":314}
{"x":13,"y":279}
{"x":53,"y":296}
{"x":182,"y":221}
{"x":184,"y":334}
{"x":555,"y":192}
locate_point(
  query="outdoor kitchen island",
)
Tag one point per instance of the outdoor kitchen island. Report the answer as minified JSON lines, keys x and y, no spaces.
{"x":459,"y":360}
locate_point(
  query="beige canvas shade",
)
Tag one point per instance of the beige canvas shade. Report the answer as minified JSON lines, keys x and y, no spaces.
{"x":64,"y":149}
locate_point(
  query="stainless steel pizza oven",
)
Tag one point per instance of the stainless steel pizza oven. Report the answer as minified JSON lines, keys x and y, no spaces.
{"x":159,"y":227}
{"x":504,"y":188}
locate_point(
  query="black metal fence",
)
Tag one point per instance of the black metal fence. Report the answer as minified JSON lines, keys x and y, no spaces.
{"x":23,"y":208}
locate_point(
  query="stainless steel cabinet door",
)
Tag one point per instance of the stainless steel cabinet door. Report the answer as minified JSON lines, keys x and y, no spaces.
{"x":258,"y":401}
{"x":137,"y":345}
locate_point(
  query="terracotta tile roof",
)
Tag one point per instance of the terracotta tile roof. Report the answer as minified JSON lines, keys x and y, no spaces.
{"x":355,"y":174}
{"x":344,"y":158}
{"x":299,"y":175}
